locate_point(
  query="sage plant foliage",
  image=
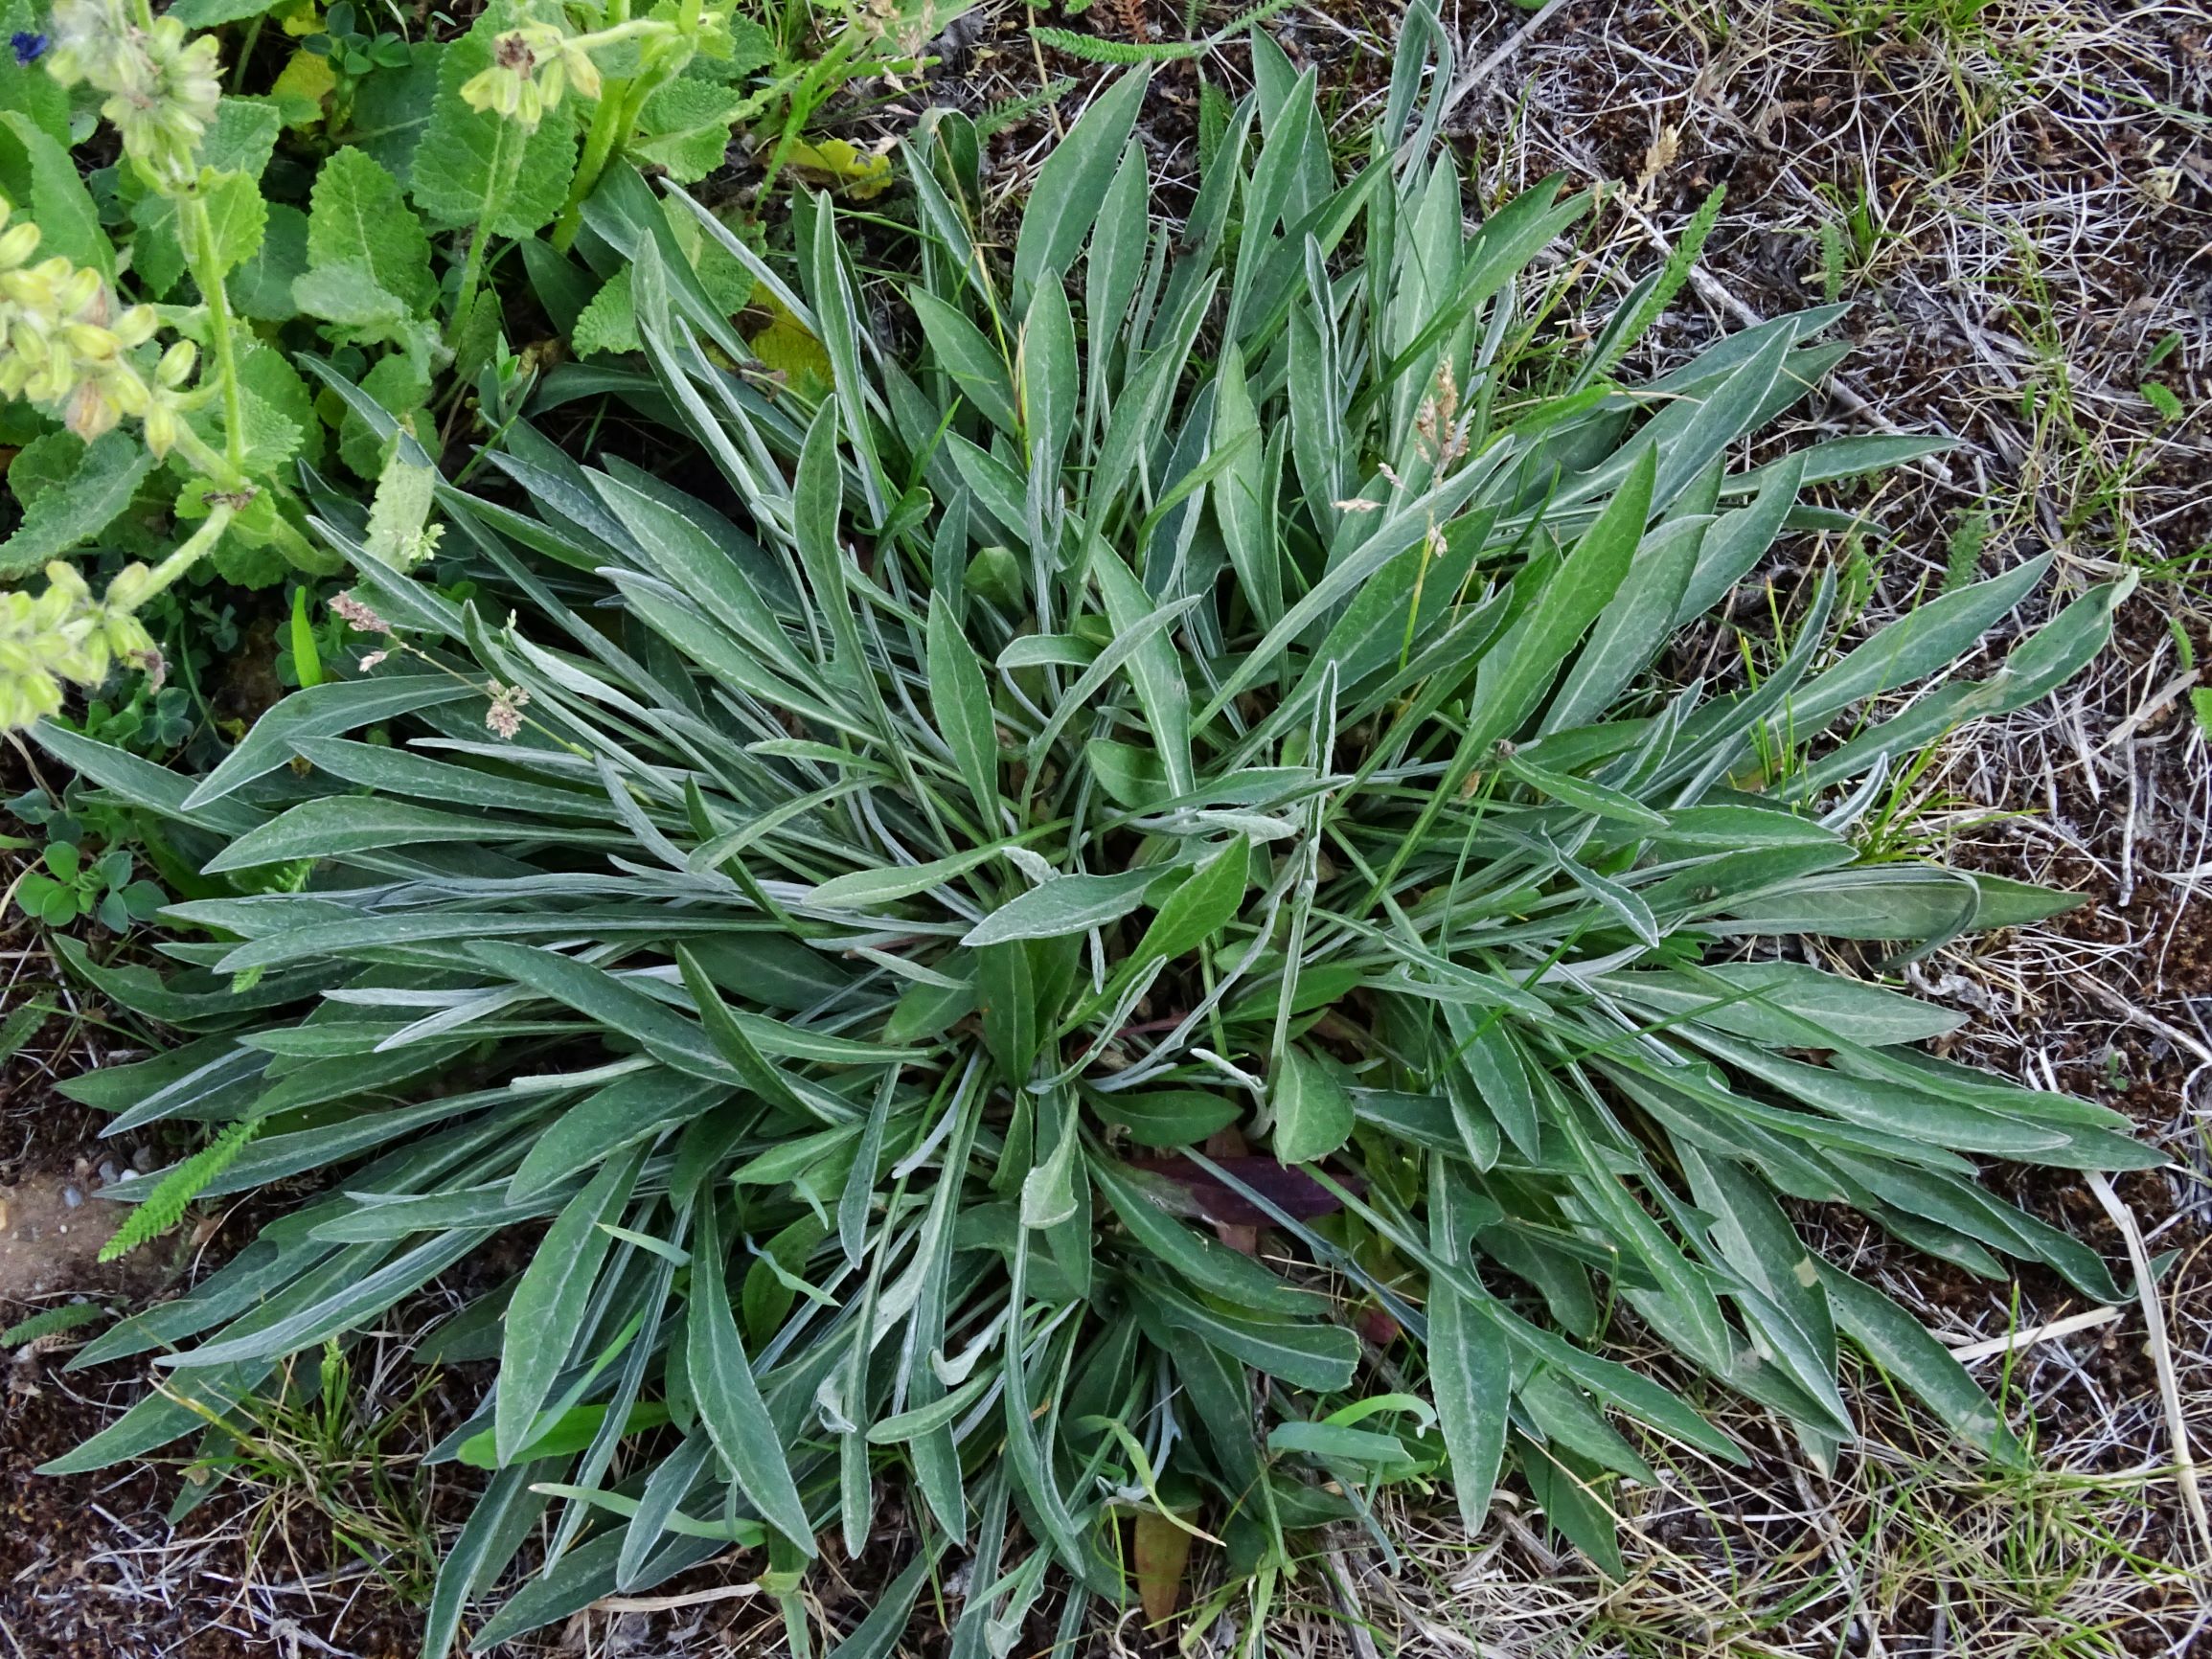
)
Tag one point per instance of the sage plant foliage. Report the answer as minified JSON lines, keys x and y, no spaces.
{"x":1130,"y":933}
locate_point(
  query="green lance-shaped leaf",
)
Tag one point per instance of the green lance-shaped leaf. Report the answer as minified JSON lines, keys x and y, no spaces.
{"x":1071,"y":186}
{"x":729,"y":1039}
{"x":1070,"y":904}
{"x":964,"y":352}
{"x":1321,"y":1357}
{"x":1470,"y":1365}
{"x":961,"y":698}
{"x":1897,"y":1342}
{"x":1206,"y":902}
{"x":1314,"y":1115}
{"x":1048,"y":1195}
{"x":1048,"y":379}
{"x":1006,"y":996}
{"x":1521,"y":667}
{"x":727,"y":1397}
{"x":1208,"y":1265}
{"x":325,"y":711}
{"x":1154,"y":669}
{"x":342,"y":825}
{"x":548,"y":1307}
{"x":865,"y":889}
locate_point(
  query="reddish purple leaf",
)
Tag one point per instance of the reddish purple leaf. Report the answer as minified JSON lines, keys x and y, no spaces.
{"x":1293,"y":1192}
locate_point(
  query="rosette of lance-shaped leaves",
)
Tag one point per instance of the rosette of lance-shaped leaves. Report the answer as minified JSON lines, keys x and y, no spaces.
{"x":1113,"y":923}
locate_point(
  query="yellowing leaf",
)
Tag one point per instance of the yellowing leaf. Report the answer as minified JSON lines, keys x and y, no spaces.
{"x":786,"y":348}
{"x":838,"y":165}
{"x":301,"y":19}
{"x":1163,"y":1550}
{"x":301,"y":88}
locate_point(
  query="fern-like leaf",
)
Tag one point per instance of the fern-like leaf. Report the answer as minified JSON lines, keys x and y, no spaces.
{"x":1214,"y":112}
{"x":1962,"y":561}
{"x":1097,"y":51}
{"x":1128,"y":52}
{"x":1250,"y":19}
{"x":52,"y":1322}
{"x":999,"y":117}
{"x":1672,"y":276}
{"x":22,"y":1026}
{"x":165,"y":1206}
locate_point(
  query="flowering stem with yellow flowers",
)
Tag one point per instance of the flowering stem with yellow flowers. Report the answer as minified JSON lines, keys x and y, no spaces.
{"x":623,"y":100}
{"x":68,"y":345}
{"x":533,"y":65}
{"x":531,"y":68}
{"x":507,"y":147}
{"x":207,"y":271}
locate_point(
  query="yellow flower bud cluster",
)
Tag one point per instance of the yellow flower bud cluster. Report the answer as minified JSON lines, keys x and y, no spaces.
{"x":64,"y":345}
{"x":162,"y":87}
{"x":531,"y":67}
{"x":65,"y":634}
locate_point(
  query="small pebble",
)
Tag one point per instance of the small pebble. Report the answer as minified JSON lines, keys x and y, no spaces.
{"x":72,"y":1198}
{"x":109,"y":1173}
{"x":141,"y":1159}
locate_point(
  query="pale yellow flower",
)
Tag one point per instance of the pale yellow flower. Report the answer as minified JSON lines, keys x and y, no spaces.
{"x":63,"y":635}
{"x":162,"y":85}
{"x":531,"y":67}
{"x":64,"y":346}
